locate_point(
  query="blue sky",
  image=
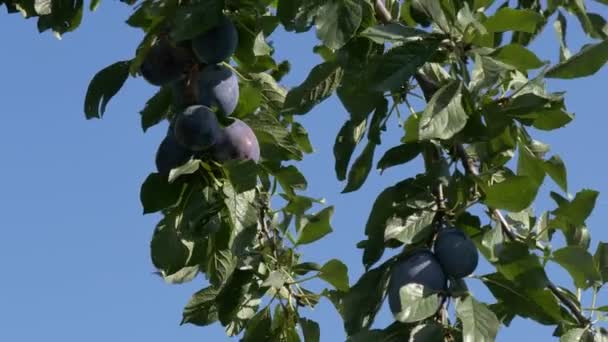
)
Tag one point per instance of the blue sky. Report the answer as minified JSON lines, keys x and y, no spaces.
{"x":74,"y":252}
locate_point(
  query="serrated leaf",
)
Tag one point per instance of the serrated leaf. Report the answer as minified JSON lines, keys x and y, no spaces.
{"x":586,"y":62}
{"x":444,"y":115}
{"x":509,"y":19}
{"x":411,"y":229}
{"x":394,"y":69}
{"x":157,"y":108}
{"x":201,"y":309}
{"x":600,"y":259}
{"x":479,"y":323}
{"x":168,"y":251}
{"x":556,"y":169}
{"x":157,"y":194}
{"x":104,"y":85}
{"x":416,"y":304}
{"x":321,"y":82}
{"x":290,"y":179}
{"x":579,"y":263}
{"x":517,"y":56}
{"x":221,"y":266}
{"x":335,"y":273}
{"x":337,"y":21}
{"x":361,"y":167}
{"x":300,"y":135}
{"x":399,"y":155}
{"x":515,"y":193}
{"x":577,"y":211}
{"x":538,"y":304}
{"x":242,"y":174}
{"x":317,"y":227}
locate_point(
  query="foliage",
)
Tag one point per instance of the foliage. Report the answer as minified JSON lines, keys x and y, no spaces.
{"x":486,"y":94}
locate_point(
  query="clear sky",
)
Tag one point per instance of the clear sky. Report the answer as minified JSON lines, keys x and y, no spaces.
{"x":74,"y":251}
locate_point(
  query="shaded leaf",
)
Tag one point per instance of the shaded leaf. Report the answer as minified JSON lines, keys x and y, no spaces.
{"x":104,"y":85}
{"x":310,"y":330}
{"x":556,"y":169}
{"x":157,"y":108}
{"x":335,"y":273}
{"x":321,"y":82}
{"x":399,"y":155}
{"x":337,"y":21}
{"x":157,"y":193}
{"x":317,"y":227}
{"x":361,"y":168}
{"x":585,"y":63}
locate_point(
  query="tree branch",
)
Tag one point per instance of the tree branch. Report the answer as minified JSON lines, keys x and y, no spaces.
{"x":382,"y":13}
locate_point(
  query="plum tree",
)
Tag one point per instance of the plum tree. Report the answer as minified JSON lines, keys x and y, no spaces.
{"x":217,"y":43}
{"x":421,"y":268}
{"x":218,"y":87}
{"x":238,"y":141}
{"x":197,"y":128}
{"x":164,"y":63}
{"x":171,"y":154}
{"x":455,"y":252}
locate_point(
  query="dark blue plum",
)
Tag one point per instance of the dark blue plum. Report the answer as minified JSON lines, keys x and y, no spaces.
{"x":197,"y":128}
{"x":238,"y":142}
{"x":217,"y":43}
{"x":170,"y":154}
{"x":218,"y":87}
{"x":164,"y":63}
{"x":456,"y":253}
{"x":421,"y":268}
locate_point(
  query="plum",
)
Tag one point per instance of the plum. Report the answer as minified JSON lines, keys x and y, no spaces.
{"x":164,"y":63}
{"x":456,"y":253}
{"x":217,"y":43}
{"x":218,"y":87}
{"x":237,"y":142}
{"x":422,"y":268}
{"x":170,"y":154}
{"x":197,"y":128}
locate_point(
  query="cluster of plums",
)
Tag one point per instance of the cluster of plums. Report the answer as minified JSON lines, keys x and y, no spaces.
{"x":203,"y":89}
{"x":453,"y":255}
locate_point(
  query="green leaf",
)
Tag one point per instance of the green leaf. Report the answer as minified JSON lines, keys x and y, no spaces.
{"x":157,"y":108}
{"x":242,"y":216}
{"x":530,"y":165}
{"x":182,"y":276}
{"x":157,"y":193}
{"x":577,"y":335}
{"x":361,"y":168}
{"x":188,"y":168}
{"x":537,"y":304}
{"x":579,"y":263}
{"x":258,"y":328}
{"x":335,"y":273}
{"x":201,"y":309}
{"x":416,"y":304}
{"x":359,"y":306}
{"x":195,"y":18}
{"x":242,"y":174}
{"x":104,"y":85}
{"x":517,"y":56}
{"x":516,"y":263}
{"x":551,"y":119}
{"x":586,"y":62}
{"x":414,"y":228}
{"x":394,"y":69}
{"x":275,"y":140}
{"x":300,"y":135}
{"x":290,"y":179}
{"x":577,"y":211}
{"x":319,"y":85}
{"x":393,"y":32}
{"x":479,"y":323}
{"x":515,"y":193}
{"x":600,"y":259}
{"x":347,"y":139}
{"x":556,"y":169}
{"x":168,"y":251}
{"x":221,"y":266}
{"x":444,"y":115}
{"x":310,"y":330}
{"x":509,"y":19}
{"x":94,"y":4}
{"x":337,"y":21}
{"x":399,"y":155}
{"x":427,"y":332}
{"x":317,"y":227}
